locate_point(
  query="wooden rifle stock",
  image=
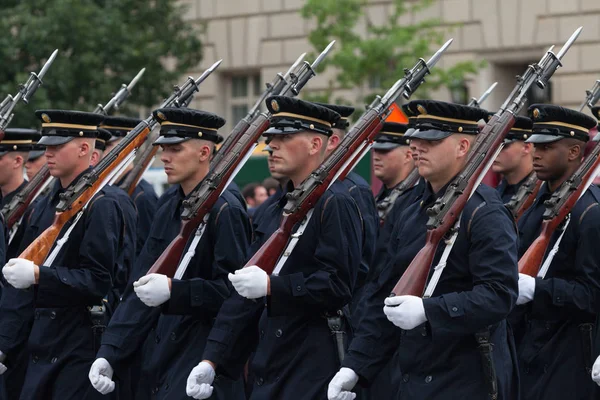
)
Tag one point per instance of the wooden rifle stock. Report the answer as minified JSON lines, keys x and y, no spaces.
{"x":531,"y":261}
{"x":267,"y":256}
{"x":168,"y":261}
{"x":24,"y":198}
{"x":135,"y":175}
{"x":414,"y":279}
{"x":38,"y":250}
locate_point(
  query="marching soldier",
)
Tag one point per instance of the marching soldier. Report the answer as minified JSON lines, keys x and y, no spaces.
{"x":166,"y":319}
{"x":36,"y":159}
{"x":515,"y":161}
{"x":439,"y":346}
{"x":295,"y":353}
{"x":144,"y":197}
{"x":392,"y":158}
{"x":14,"y":149}
{"x":559,"y":309}
{"x":61,"y":340}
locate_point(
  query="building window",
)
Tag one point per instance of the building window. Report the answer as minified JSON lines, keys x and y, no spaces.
{"x":242,"y":94}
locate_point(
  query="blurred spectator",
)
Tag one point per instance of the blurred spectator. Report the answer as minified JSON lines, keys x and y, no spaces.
{"x":271,"y":184}
{"x":255,"y":194}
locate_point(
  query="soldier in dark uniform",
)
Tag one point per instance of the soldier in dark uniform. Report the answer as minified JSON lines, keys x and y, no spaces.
{"x":14,"y":149}
{"x":35,"y":160}
{"x":555,"y":349}
{"x":436,"y":348}
{"x":286,"y":313}
{"x":392,"y":157}
{"x":515,"y":161}
{"x":173,"y":317}
{"x":144,"y":197}
{"x":49,"y":305}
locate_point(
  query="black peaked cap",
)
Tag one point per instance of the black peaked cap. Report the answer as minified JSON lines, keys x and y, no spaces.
{"x":437,"y":120}
{"x":392,"y":135}
{"x":18,"y":139}
{"x":344,"y":111}
{"x":521,"y":130}
{"x":61,"y":126}
{"x":291,"y":115}
{"x":552,"y":123}
{"x":180,"y":124}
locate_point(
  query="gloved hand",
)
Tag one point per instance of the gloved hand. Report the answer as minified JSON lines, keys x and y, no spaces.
{"x":526,"y":289}
{"x":596,"y":371}
{"x":250,"y":282}
{"x":341,"y":385}
{"x":101,"y":376}
{"x":153,"y":290}
{"x":19,"y":272}
{"x":200,"y":380}
{"x":406,"y":312}
{"x":2,"y":366}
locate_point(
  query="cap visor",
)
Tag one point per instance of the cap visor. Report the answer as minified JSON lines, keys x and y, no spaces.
{"x":281,"y":131}
{"x":54,"y":140}
{"x":114,"y":138}
{"x":170,"y":140}
{"x":430,"y":134}
{"x":3,"y":153}
{"x":409,"y":132}
{"x":35,"y":154}
{"x":384,"y":145}
{"x":543,"y":139}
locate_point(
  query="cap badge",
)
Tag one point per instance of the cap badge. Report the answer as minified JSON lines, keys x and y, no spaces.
{"x":161,"y":116}
{"x":275,"y":105}
{"x":46,"y":118}
{"x":421,"y":109}
{"x":536,"y":113}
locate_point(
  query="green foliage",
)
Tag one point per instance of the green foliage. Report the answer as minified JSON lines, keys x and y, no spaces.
{"x":373,"y":55}
{"x":102,"y":44}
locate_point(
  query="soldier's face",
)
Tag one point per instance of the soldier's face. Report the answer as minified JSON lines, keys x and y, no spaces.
{"x":550,"y":160}
{"x":511,"y":156}
{"x":387,"y":164}
{"x":63,"y":159}
{"x":182,"y":160}
{"x":440,"y":160}
{"x":33,"y":166}
{"x":8,"y":167}
{"x":290,"y":153}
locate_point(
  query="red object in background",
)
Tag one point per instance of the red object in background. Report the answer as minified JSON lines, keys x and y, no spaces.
{"x":491,"y":178}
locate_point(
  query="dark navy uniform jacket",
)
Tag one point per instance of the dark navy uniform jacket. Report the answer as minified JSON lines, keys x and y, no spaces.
{"x":555,"y":348}
{"x":175,"y":332}
{"x":296,"y":354}
{"x":60,"y":341}
{"x":507,"y":191}
{"x":12,"y":250}
{"x":477,"y":290}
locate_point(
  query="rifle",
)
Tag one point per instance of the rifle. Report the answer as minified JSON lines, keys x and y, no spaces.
{"x":444,"y":215}
{"x":385,"y":206}
{"x":302,"y":200}
{"x":525,"y":196}
{"x":527,"y":193}
{"x":13,"y":211}
{"x":120,"y":96}
{"x":557,"y":215}
{"x":76,"y":197}
{"x":26,"y":91}
{"x":199,"y":203}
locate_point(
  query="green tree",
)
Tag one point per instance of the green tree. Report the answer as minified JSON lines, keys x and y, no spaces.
{"x":378,"y":56}
{"x":101,"y":43}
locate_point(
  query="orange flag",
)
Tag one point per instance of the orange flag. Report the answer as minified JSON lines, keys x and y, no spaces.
{"x":396,"y":115}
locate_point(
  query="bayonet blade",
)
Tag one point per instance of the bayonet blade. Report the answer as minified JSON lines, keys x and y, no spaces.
{"x":295,"y":64}
{"x":322,"y":56}
{"x":486,"y":94}
{"x":135,"y":80}
{"x":209,"y":71}
{"x":47,"y":65}
{"x":438,"y":54}
{"x":569,"y":43}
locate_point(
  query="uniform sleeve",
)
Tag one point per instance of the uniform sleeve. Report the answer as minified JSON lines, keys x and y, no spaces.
{"x":60,"y":286}
{"x":557,"y":298}
{"x":337,"y":258}
{"x":232,"y":233}
{"x":493,"y":266}
{"x":146,"y":206}
{"x":16,"y":318}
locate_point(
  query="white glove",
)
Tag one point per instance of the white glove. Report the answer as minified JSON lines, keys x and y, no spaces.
{"x":101,"y":376}
{"x":19,"y":272}
{"x":200,"y":380}
{"x":341,"y":385}
{"x":406,"y":312}
{"x":250,"y":282}
{"x":526,"y":289}
{"x":153,"y":290}
{"x":596,"y":371}
{"x":2,"y":366}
